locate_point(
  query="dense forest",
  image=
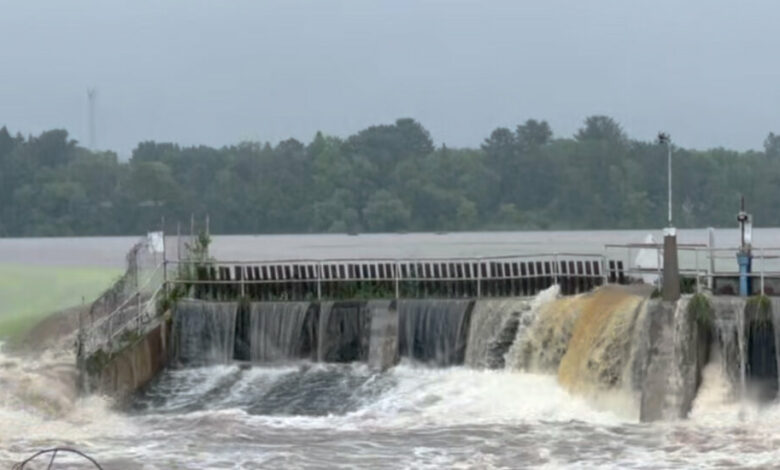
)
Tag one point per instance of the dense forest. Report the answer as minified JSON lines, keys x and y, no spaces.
{"x":384,"y":178}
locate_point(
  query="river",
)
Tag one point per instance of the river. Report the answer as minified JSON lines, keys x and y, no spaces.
{"x":110,"y":251}
{"x":314,"y":415}
{"x":345,"y":416}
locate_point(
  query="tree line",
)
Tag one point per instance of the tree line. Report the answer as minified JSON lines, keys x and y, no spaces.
{"x":384,"y":178}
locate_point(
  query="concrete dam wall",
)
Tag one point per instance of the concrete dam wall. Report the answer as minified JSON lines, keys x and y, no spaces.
{"x":616,"y":346}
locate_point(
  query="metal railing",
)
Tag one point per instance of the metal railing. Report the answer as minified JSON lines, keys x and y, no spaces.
{"x":130,"y":317}
{"x":705,"y":265}
{"x":471,"y":276}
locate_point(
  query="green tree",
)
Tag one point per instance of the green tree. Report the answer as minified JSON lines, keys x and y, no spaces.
{"x":601,"y":128}
{"x":772,"y":145}
{"x":385,"y":213}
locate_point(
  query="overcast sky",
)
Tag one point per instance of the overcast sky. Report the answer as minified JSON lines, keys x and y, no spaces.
{"x":220,"y":72}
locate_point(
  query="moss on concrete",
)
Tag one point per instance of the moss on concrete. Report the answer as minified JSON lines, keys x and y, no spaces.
{"x":700,"y":311}
{"x":758,"y":312}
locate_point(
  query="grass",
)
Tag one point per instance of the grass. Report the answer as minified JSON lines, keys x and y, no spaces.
{"x":28,"y":294}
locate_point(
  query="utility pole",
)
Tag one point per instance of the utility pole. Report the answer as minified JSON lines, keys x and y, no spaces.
{"x":91,"y":97}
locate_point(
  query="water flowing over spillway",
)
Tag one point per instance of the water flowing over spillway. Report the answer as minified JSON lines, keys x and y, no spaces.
{"x":281,"y":331}
{"x":434,"y":331}
{"x":204,"y":332}
{"x":548,"y":381}
{"x":615,"y":346}
{"x":493,"y":329}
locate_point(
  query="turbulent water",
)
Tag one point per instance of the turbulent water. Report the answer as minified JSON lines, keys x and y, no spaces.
{"x":345,"y":416}
{"x":505,"y":383}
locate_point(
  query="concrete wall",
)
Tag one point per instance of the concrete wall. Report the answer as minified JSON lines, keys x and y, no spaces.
{"x":120,"y":374}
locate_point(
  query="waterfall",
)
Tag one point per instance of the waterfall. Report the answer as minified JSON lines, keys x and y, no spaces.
{"x":760,"y":349}
{"x":728,"y":325}
{"x":776,"y":323}
{"x":543,"y":333}
{"x":599,"y":351}
{"x":281,"y":331}
{"x":494,"y":325}
{"x":343,"y":331}
{"x":203,"y":332}
{"x":673,"y":360}
{"x":383,"y":346}
{"x":434,"y":331}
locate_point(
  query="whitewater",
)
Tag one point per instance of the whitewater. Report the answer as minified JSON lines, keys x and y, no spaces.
{"x":529,"y":413}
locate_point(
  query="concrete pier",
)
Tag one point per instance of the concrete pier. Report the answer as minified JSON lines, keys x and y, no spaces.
{"x":671,"y":280}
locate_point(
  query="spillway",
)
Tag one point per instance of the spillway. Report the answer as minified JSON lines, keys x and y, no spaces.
{"x":437,"y":374}
{"x":204,"y":332}
{"x":434,"y":331}
{"x":615,"y":346}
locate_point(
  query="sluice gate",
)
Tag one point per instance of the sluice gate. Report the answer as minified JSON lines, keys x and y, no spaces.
{"x":434,"y":278}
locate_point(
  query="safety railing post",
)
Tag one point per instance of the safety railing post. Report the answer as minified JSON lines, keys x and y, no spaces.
{"x":479,"y":278}
{"x":319,"y":281}
{"x":397,"y":276}
{"x":698,"y":286}
{"x":762,"y":270}
{"x":555,"y":269}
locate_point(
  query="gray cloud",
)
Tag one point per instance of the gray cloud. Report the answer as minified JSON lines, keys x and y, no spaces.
{"x":220,"y":72}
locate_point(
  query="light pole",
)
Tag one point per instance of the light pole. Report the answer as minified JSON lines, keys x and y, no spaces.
{"x":671,"y":279}
{"x":663,"y":138}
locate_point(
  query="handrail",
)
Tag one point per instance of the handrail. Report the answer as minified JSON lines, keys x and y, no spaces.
{"x":136,"y":318}
{"x":88,"y":340}
{"x":653,"y":245}
{"x":121,"y":306}
{"x":472,"y":259}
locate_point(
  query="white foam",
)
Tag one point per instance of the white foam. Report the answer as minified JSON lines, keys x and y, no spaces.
{"x":444,"y":397}
{"x":39,"y":407}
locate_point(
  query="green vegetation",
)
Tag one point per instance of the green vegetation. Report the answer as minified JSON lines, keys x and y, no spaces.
{"x":700,"y":311}
{"x":196,"y":271}
{"x":383,"y":178}
{"x":758,"y":312}
{"x":29,"y":293}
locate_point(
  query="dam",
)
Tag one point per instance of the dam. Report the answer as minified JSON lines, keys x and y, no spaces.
{"x":586,"y":319}
{"x":283,"y":375}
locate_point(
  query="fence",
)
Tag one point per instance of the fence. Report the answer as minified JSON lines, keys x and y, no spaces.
{"x":130,"y":303}
{"x":392,"y":278}
{"x":706,"y":267}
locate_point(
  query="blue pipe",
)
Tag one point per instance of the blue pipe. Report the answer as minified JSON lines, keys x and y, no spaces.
{"x":744,"y":260}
